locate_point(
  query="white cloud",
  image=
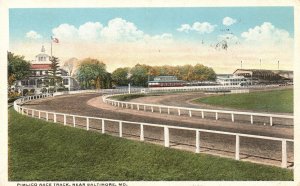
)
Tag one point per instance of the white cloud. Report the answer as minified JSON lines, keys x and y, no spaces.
{"x":184,"y":28}
{"x":201,"y":28}
{"x":228,"y":21}
{"x":119,"y":29}
{"x":65,"y":31}
{"x":204,"y":27}
{"x":90,"y":30}
{"x":266,"y":33}
{"x":164,"y":36}
{"x":33,"y":35}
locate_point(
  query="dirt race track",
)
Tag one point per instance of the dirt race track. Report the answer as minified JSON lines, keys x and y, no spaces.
{"x":255,"y":150}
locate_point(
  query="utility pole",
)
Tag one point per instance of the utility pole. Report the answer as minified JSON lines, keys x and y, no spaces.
{"x":260,"y":63}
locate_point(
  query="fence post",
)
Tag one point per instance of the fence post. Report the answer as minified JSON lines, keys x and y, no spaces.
{"x":47,"y":116}
{"x":65,"y":119}
{"x":32,"y":113}
{"x":27,"y":112}
{"x":74,"y":122}
{"x":142,"y":133}
{"x":87,"y":123}
{"x":271,"y":121}
{"x":131,"y":106}
{"x":151,"y":108}
{"x":159,"y":109}
{"x":120,"y":128}
{"x":144,"y":107}
{"x":237,"y":147}
{"x":232,"y":117}
{"x":178,"y":112}
{"x":103,"y":126}
{"x":251,"y":119}
{"x":54,"y":117}
{"x":138,"y":107}
{"x":166,"y":136}
{"x":190,"y":113}
{"x":202,"y":114}
{"x":216,"y":116}
{"x":39,"y":114}
{"x":168,"y":110}
{"x":284,"y":154}
{"x":197,"y":141}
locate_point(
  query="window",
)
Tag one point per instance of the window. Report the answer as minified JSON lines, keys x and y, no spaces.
{"x":24,"y":82}
{"x":32,"y":82}
{"x":66,"y":81}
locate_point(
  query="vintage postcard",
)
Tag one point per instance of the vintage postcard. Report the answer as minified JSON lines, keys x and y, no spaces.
{"x":144,"y":93}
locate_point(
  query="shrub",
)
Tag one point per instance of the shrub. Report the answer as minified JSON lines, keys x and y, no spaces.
{"x":25,"y":92}
{"x":44,"y":90}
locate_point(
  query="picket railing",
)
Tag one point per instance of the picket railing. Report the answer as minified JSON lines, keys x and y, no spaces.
{"x":191,"y":111}
{"x":102,"y":122}
{"x":166,"y":89}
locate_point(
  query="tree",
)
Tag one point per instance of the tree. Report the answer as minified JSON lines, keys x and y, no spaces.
{"x":203,"y":73}
{"x":69,"y":65}
{"x":54,"y":79}
{"x":92,"y":73}
{"x":120,"y":76}
{"x":18,"y":68}
{"x":54,"y":65}
{"x":139,"y":75}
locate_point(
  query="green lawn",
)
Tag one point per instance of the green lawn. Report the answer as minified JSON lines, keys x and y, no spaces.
{"x":39,"y":150}
{"x":267,"y":101}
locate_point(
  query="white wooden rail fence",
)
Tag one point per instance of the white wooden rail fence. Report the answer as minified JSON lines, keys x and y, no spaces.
{"x":190,"y":111}
{"x":23,"y":110}
{"x":166,"y":89}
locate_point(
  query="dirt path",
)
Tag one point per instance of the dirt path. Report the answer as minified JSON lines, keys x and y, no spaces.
{"x":251,"y":149}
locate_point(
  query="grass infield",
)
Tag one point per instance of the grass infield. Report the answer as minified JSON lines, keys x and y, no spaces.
{"x":266,"y":101}
{"x":40,"y":150}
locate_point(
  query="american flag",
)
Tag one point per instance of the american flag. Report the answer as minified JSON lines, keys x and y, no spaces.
{"x":55,"y":40}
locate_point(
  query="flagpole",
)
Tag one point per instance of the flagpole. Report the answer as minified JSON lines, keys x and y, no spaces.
{"x":51,"y":46}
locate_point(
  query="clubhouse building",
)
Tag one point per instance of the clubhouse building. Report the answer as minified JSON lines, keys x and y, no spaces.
{"x":38,"y":81}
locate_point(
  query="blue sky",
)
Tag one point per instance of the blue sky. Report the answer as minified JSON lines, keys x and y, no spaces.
{"x":151,"y":20}
{"x":159,"y":36}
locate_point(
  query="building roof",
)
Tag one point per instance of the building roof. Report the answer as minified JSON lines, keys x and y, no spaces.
{"x":40,"y":67}
{"x":264,"y":71}
{"x":166,"y":81}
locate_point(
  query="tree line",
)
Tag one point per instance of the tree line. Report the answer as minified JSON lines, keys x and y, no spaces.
{"x":140,"y":74}
{"x":92,"y":73}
